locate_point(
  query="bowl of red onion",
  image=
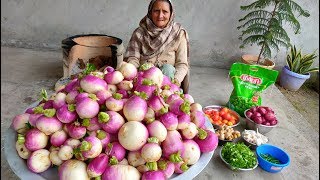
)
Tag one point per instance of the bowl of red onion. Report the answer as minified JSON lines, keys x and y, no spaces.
{"x":260,"y":117}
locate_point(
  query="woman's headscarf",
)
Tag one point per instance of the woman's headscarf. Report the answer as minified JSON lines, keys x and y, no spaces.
{"x":148,"y":40}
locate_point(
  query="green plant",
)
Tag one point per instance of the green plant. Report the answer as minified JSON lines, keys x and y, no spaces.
{"x":265,"y":27}
{"x":299,"y":63}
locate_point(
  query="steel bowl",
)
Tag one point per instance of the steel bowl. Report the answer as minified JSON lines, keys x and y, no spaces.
{"x":250,"y":124}
{"x":217,"y":107}
{"x":233,"y":168}
{"x":249,"y":144}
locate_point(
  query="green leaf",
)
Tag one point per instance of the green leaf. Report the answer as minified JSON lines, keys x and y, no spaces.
{"x":89,"y":68}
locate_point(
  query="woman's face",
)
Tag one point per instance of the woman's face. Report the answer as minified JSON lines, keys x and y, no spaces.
{"x":160,"y":13}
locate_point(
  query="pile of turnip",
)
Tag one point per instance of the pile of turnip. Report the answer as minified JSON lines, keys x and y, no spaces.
{"x":124,"y":123}
{"x":262,"y":115}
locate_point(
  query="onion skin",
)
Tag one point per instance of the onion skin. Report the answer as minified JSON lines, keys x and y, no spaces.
{"x":39,"y":161}
{"x":73,"y":169}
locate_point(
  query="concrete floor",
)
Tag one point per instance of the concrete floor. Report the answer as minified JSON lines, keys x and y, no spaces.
{"x":24,"y":72}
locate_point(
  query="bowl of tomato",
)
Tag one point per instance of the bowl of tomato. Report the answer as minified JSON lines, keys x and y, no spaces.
{"x":221,"y":115}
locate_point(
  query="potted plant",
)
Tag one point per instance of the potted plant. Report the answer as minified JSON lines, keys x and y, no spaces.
{"x":297,"y":70}
{"x":263,"y":26}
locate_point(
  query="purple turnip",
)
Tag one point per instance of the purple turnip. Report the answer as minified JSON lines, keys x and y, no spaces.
{"x":121,"y":172}
{"x":114,"y":77}
{"x":35,"y":140}
{"x":183,"y":121}
{"x":125,"y":85}
{"x":103,"y":95}
{"x":91,"y":124}
{"x":207,"y":140}
{"x":71,"y":97}
{"x":58,"y":138}
{"x":151,"y":151}
{"x":198,"y":118}
{"x":190,"y":131}
{"x":23,"y":152}
{"x":90,"y":147}
{"x":87,"y":107}
{"x":59,"y":100}
{"x":98,"y":165}
{"x":115,"y":149}
{"x":172,"y":145}
{"x":67,"y":113}
{"x":135,"y":107}
{"x":19,"y":121}
{"x":54,"y":158}
{"x":76,"y":131}
{"x":169,"y":120}
{"x":92,"y":84}
{"x":153,"y":175}
{"x":110,"y":121}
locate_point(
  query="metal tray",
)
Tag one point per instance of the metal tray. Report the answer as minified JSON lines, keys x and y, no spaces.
{"x":19,"y":165}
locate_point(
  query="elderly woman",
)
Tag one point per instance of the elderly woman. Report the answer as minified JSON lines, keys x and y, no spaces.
{"x":161,"y":41}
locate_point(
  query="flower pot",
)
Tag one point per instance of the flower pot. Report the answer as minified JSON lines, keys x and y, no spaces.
{"x":252,"y":59}
{"x":292,"y":81}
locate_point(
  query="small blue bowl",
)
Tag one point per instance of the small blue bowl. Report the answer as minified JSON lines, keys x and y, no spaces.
{"x":277,"y":153}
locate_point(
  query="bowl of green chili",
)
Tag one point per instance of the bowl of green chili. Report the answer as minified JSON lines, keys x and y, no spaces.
{"x":272,"y":158}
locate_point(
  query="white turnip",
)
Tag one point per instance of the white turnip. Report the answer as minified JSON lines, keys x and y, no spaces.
{"x":129,"y":71}
{"x":133,"y":135}
{"x":119,"y":171}
{"x":135,"y":159}
{"x":115,"y":102}
{"x":73,"y":169}
{"x":23,"y":152}
{"x":54,"y":158}
{"x":190,"y":131}
{"x":39,"y":161}
{"x":191,"y":153}
{"x":158,"y":130}
{"x":151,"y":152}
{"x":65,"y":152}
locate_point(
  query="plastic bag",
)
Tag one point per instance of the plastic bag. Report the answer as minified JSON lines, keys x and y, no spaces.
{"x":248,"y":81}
